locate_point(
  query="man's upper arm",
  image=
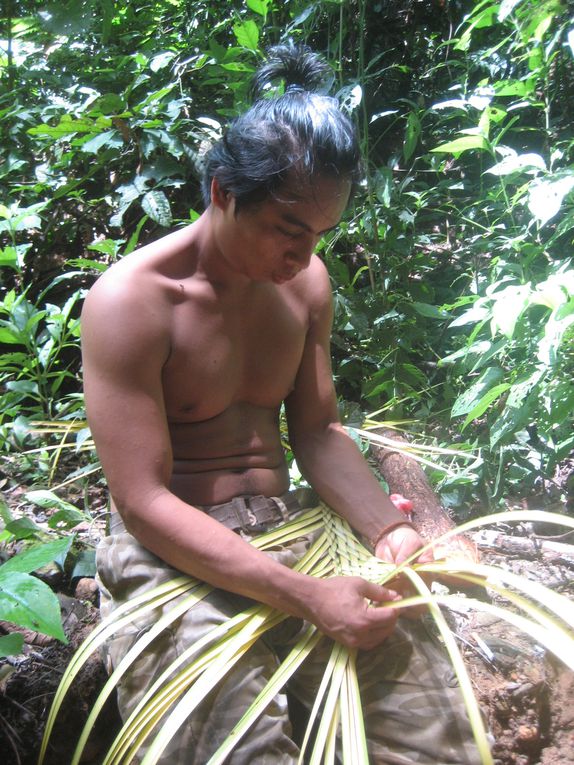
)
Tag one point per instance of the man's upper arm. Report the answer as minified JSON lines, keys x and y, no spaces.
{"x":124,"y":347}
{"x":312,"y":405}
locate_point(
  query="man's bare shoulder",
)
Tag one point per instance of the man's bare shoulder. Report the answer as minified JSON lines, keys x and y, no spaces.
{"x":313,"y":287}
{"x":146,"y":280}
{"x":128,"y":311}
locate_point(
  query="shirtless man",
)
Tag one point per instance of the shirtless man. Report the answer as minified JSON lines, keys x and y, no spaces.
{"x":192,"y":344}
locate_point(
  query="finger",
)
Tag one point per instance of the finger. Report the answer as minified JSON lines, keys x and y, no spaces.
{"x":382,"y":621}
{"x":377,"y":592}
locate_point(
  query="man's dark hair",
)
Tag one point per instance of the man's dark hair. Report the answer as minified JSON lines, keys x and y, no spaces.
{"x":300,"y":131}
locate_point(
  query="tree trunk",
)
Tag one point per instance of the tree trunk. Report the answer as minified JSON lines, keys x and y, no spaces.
{"x":405,"y":476}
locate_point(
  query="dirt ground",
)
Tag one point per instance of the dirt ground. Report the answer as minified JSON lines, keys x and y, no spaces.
{"x":527,"y":696}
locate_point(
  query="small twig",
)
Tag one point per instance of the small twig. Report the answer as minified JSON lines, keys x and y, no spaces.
{"x":11,"y":735}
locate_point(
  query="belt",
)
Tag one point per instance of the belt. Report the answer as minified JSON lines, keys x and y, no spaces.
{"x":253,"y":513}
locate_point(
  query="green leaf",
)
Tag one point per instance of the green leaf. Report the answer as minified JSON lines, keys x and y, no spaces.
{"x":465,"y":143}
{"x":258,"y":6}
{"x":545,"y":197}
{"x":31,"y":560}
{"x":9,"y":257}
{"x":480,"y":408}
{"x":11,"y":645}
{"x":47,"y":499}
{"x":514,"y":87}
{"x":473,"y":395}
{"x":506,"y":8}
{"x":69,"y":126}
{"x":161,"y":60}
{"x":155,"y":204}
{"x":478,"y":312}
{"x":247,"y":34}
{"x":475,"y":349}
{"x":430,"y":311}
{"x":384,"y":185}
{"x":23,"y":528}
{"x":109,"y":138}
{"x":9,"y":337}
{"x":515,"y":163}
{"x":412,"y":135}
{"x":507,"y":308}
{"x":85,"y":564}
{"x":29,"y":602}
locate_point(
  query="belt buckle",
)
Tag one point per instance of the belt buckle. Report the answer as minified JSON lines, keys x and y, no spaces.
{"x":246,"y":517}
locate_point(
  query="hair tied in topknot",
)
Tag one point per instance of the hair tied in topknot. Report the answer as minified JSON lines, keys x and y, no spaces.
{"x":294,"y":64}
{"x":294,"y":87}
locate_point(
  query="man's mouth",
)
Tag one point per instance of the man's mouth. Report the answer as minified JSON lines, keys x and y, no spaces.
{"x":284,"y":277}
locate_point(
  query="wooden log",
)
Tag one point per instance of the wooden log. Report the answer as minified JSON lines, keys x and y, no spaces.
{"x":525,"y":546}
{"x":405,"y":476}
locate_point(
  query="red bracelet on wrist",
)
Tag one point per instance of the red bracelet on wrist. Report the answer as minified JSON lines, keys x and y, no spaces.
{"x":386,"y":529}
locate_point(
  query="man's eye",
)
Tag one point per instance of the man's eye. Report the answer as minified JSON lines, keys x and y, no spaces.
{"x":290,"y":234}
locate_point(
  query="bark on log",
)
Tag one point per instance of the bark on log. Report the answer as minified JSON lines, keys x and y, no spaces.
{"x":405,"y":476}
{"x":526,"y":547}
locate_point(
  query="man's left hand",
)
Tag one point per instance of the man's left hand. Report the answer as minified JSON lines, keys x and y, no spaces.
{"x":400,"y":543}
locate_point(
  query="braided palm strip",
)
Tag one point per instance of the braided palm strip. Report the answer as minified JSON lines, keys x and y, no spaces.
{"x":350,"y":557}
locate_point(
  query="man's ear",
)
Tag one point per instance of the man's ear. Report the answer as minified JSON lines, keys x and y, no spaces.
{"x":219,"y":197}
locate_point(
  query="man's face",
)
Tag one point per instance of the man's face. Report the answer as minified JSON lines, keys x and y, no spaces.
{"x":274,"y":240}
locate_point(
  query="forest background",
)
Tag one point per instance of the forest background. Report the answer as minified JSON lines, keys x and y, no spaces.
{"x":452,"y":272}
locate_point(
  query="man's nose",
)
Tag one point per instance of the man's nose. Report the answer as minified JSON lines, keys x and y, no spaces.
{"x":300,"y":252}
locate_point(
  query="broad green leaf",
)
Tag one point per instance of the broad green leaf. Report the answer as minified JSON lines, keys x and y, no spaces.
{"x":479,"y":348}
{"x":412,"y":135}
{"x":478,"y":312}
{"x":235,"y":66}
{"x":161,"y":60}
{"x":430,"y":311}
{"x":383,"y":182}
{"x":545,"y":197}
{"x":492,"y":395}
{"x":506,"y":8}
{"x":33,"y":559}
{"x":550,"y":294}
{"x":258,"y":6}
{"x":480,"y":18}
{"x":9,"y":257}
{"x":471,"y":397}
{"x":155,"y":204}
{"x":109,"y":138}
{"x":520,"y":390}
{"x":23,"y":528}
{"x":465,"y":143}
{"x":507,"y":308}
{"x":554,"y":331}
{"x":9,"y":336}
{"x":108,"y":104}
{"x":69,"y":126}
{"x":29,"y":602}
{"x":517,"y":163}
{"x":11,"y":645}
{"x":247,"y":34}
{"x":85,"y":564}
{"x":513,"y":87}
{"x":47,"y":499}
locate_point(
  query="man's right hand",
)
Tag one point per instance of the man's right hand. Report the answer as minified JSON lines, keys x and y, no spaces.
{"x":349,"y":609}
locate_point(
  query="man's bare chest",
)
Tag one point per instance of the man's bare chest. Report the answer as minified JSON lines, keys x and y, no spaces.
{"x":247,"y":353}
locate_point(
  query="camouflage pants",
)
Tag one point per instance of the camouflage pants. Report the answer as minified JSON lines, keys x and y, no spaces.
{"x":411,"y":702}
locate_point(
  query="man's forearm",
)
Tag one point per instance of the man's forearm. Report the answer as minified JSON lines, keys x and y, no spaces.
{"x":196,"y":544}
{"x":332,"y":463}
{"x":192,"y":542}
